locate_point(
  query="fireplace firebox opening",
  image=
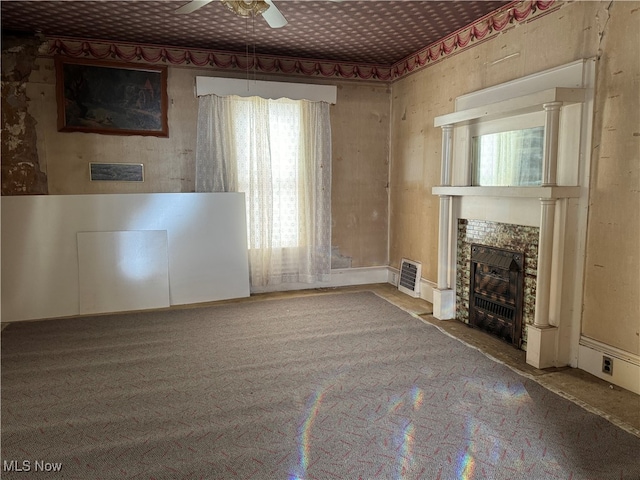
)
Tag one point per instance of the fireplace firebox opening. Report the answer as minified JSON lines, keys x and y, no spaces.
{"x":496,"y":292}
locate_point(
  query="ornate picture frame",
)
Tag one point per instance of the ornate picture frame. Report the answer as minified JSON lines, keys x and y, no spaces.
{"x":112,"y":98}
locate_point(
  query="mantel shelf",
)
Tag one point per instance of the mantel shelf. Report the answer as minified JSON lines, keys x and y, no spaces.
{"x":514,"y":106}
{"x":521,"y":192}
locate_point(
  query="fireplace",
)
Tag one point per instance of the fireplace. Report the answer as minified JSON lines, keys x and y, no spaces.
{"x":545,"y":225}
{"x":501,"y":236}
{"x":496,"y":292}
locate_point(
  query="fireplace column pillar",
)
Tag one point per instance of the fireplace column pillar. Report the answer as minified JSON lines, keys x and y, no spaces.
{"x":545,"y":256}
{"x":550,"y":156}
{"x":542,"y":336}
{"x":444,"y":299}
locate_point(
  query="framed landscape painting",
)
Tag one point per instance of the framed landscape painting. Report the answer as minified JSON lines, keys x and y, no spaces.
{"x":111,"y":97}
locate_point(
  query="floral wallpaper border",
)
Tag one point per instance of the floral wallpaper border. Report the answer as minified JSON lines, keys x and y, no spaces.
{"x":483,"y":29}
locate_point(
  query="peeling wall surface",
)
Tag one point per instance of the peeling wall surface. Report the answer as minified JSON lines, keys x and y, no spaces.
{"x":360,"y":174}
{"x":571,"y":32}
{"x":386,"y":150}
{"x":21,"y":170}
{"x":560,"y":37}
{"x":169,"y":163}
{"x":360,"y":125}
{"x":612,"y":283}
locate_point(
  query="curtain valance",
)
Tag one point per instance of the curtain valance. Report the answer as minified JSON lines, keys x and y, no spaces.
{"x":223,"y":87}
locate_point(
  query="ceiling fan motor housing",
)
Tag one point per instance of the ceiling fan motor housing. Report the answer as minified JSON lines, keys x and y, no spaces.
{"x":246,"y":8}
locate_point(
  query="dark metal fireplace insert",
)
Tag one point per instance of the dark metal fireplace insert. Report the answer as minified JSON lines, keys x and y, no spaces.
{"x":496,"y":292}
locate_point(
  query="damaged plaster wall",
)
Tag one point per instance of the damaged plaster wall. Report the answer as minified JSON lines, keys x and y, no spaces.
{"x":360,"y":175}
{"x":169,"y":163}
{"x":360,"y":127}
{"x":612,"y":279}
{"x":572,"y":32}
{"x":557,"y":38}
{"x":21,"y":168}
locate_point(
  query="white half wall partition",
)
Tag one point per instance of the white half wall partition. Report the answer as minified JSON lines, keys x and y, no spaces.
{"x":257,"y":88}
{"x":63,"y":255}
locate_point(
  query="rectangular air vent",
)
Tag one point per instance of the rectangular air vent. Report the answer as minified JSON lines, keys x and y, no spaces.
{"x":410,"y":272}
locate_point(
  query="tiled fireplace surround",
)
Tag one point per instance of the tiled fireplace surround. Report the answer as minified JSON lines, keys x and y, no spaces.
{"x":518,"y":238}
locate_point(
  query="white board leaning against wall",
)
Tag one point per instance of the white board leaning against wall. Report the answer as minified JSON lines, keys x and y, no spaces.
{"x":63,"y":255}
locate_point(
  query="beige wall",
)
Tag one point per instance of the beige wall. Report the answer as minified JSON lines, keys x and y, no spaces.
{"x":65,"y":156}
{"x":372,"y":127}
{"x":360,"y":124}
{"x":572,"y":32}
{"x":612,"y":281}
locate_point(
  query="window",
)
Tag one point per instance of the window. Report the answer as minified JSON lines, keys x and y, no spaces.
{"x":279,"y":179}
{"x":278,"y":152}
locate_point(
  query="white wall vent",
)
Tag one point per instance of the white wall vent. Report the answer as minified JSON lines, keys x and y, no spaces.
{"x":410,"y":272}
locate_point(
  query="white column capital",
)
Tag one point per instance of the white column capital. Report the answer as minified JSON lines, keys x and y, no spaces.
{"x":552,"y":106}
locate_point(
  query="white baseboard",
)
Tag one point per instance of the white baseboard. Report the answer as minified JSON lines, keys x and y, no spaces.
{"x":341,"y":277}
{"x":426,"y":287}
{"x":344,"y":277}
{"x":626,"y":366}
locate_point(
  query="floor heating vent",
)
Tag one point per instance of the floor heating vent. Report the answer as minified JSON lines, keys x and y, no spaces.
{"x":410,"y":272}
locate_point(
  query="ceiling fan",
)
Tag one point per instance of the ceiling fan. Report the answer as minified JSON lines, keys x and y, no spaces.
{"x":243,"y":8}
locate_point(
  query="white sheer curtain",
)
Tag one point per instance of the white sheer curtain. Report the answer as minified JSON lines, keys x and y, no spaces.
{"x":279,"y":153}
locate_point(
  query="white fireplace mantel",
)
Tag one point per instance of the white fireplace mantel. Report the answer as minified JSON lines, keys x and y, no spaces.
{"x":556,"y":191}
{"x":511,"y":107}
{"x":563,"y":99}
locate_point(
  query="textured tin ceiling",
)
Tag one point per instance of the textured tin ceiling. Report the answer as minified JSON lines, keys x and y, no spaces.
{"x":370,"y":32}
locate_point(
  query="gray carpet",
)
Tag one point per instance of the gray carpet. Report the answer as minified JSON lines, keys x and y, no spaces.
{"x":341,"y":386}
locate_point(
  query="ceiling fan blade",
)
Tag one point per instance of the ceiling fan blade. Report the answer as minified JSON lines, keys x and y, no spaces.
{"x":273,"y":17}
{"x":192,"y":6}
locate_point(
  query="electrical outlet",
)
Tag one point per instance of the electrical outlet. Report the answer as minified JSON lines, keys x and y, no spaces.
{"x":607,"y":365}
